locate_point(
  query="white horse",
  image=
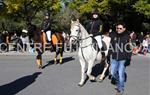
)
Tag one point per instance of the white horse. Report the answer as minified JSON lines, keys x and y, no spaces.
{"x":87,"y":54}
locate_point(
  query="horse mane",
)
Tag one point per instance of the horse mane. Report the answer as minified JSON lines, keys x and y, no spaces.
{"x":81,"y":26}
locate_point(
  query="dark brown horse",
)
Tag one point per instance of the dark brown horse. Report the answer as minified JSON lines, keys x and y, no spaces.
{"x":58,"y":45}
{"x":39,"y":42}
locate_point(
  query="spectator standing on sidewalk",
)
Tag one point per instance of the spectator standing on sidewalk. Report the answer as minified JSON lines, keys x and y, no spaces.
{"x":25,"y":39}
{"x":145,"y":45}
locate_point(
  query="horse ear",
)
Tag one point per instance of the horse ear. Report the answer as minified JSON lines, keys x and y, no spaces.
{"x":78,"y":20}
{"x":72,"y":21}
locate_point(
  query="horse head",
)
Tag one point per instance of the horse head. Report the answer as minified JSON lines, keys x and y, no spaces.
{"x":75,"y":32}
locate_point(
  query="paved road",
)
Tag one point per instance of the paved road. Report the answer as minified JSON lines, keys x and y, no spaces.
{"x":19,"y":76}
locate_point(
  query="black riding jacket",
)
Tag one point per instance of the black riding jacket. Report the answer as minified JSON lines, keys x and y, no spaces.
{"x":46,"y":25}
{"x":94,"y":27}
{"x":120,"y":48}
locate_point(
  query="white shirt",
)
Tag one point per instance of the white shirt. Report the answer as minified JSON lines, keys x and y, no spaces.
{"x":25,"y":40}
{"x":145,"y":43}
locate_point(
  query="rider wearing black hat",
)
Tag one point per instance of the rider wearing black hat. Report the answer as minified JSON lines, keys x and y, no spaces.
{"x":46,"y":26}
{"x":95,"y":24}
{"x":95,"y":27}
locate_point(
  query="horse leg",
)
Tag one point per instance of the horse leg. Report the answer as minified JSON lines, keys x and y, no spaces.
{"x":60,"y":61}
{"x":89,"y":71}
{"x":61,"y":56}
{"x":83,"y":75}
{"x":104,"y":71}
{"x":55,"y":58}
{"x":41,"y":64}
{"x":39,"y":61}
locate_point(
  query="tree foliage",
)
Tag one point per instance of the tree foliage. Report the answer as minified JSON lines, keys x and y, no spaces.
{"x":24,"y":11}
{"x":117,"y":10}
{"x":143,"y":7}
{"x":28,"y":8}
{"x":20,"y":12}
{"x":86,"y":6}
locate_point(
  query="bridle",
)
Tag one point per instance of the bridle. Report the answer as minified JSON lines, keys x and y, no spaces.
{"x":79,"y":35}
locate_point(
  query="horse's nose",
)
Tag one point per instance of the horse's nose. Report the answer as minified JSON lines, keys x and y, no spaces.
{"x":72,"y":40}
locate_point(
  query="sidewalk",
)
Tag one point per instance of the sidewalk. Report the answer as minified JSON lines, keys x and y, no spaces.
{"x":50,"y":53}
{"x":28,"y":53}
{"x":147,"y":55}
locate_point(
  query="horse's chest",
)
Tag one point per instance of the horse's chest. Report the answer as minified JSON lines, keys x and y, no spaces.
{"x":87,"y":53}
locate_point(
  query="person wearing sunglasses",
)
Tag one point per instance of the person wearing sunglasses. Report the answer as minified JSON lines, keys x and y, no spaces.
{"x":120,"y":53}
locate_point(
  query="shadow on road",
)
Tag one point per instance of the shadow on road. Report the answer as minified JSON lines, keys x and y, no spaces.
{"x":19,"y":84}
{"x":65,"y":60}
{"x":98,"y":69}
{"x":48,"y":63}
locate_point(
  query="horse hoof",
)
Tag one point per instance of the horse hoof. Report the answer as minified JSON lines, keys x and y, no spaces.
{"x":60,"y":63}
{"x":93,"y":80}
{"x":80,"y":85}
{"x":40,"y":67}
{"x":100,"y":80}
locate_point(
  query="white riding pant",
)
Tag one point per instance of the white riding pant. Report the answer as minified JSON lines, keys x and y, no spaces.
{"x":48,"y":34}
{"x":99,"y":41}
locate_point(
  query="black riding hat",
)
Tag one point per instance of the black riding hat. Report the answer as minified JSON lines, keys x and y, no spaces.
{"x":46,"y":13}
{"x":95,"y":11}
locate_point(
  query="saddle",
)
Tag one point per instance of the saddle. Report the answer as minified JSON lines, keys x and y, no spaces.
{"x":95,"y":45}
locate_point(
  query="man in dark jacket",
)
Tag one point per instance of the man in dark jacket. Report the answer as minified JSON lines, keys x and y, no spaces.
{"x":46,"y":26}
{"x":120,"y":53}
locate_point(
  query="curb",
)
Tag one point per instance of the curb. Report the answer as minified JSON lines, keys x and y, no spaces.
{"x":14,"y":53}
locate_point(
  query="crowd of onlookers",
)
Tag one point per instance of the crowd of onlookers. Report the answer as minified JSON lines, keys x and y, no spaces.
{"x":140,"y":43}
{"x":20,"y":42}
{"x":9,"y":41}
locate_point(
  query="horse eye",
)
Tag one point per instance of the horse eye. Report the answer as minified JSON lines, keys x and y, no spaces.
{"x":76,"y":30}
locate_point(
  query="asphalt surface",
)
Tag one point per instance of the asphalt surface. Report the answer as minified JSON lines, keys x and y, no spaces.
{"x":19,"y":75}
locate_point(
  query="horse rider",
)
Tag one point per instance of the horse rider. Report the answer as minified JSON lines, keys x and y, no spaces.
{"x":94,"y":28}
{"x":46,"y":26}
